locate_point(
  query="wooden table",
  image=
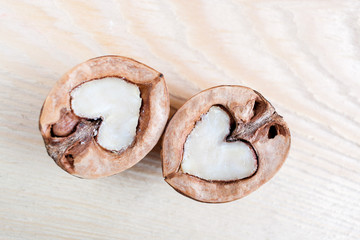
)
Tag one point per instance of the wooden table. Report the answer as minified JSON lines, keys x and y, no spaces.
{"x":303,"y":56}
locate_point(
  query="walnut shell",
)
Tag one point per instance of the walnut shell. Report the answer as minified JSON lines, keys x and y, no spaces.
{"x":255,"y":122}
{"x":70,"y":140}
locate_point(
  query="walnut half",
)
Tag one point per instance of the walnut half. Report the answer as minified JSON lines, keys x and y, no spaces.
{"x":104,"y":116}
{"x":223,"y":143}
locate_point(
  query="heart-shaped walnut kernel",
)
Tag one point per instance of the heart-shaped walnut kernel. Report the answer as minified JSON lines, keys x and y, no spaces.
{"x":208,"y":155}
{"x":104,"y":116}
{"x":116,"y":102}
{"x":223,"y":143}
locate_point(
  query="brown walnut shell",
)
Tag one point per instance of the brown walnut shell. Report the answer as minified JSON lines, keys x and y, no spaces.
{"x":71,"y":140}
{"x":255,"y":121}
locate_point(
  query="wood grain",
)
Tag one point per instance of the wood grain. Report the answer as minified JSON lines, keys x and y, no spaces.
{"x":303,"y":56}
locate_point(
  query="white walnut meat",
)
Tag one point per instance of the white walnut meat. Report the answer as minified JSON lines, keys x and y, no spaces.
{"x":104,"y":116}
{"x":223,"y":144}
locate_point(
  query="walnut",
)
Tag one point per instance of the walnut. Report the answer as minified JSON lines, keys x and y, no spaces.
{"x":104,"y":116}
{"x":223,"y":143}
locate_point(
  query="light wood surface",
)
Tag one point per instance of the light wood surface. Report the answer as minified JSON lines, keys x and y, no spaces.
{"x":303,"y":56}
